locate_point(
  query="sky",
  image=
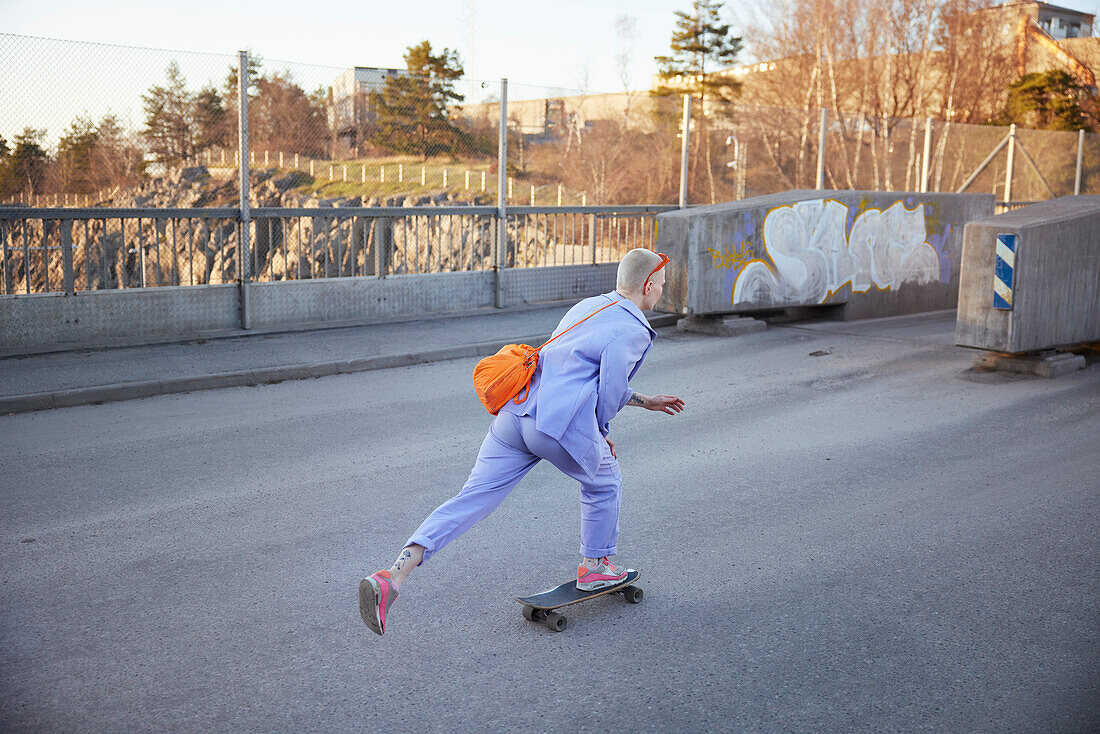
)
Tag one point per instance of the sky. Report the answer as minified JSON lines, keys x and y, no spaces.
{"x":562,"y":43}
{"x":543,"y":48}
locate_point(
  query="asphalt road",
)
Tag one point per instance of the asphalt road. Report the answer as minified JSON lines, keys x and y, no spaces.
{"x":874,"y":538}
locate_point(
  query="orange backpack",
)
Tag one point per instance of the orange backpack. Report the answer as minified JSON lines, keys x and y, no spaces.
{"x":508,"y":373}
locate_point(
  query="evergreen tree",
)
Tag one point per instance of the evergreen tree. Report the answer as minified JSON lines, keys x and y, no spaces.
{"x":701,"y":44}
{"x":412,"y":109}
{"x":76,"y":153}
{"x":1051,"y":100}
{"x":170,"y":125}
{"x":24,"y":169}
{"x":211,"y":120}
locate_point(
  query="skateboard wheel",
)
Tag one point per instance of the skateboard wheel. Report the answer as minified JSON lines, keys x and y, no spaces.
{"x":633,"y":594}
{"x":555,"y":622}
{"x":530,"y":614}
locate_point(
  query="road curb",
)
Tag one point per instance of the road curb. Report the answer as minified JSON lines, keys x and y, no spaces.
{"x":266,"y":375}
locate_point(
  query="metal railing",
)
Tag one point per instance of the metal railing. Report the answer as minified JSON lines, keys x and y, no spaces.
{"x":47,"y":250}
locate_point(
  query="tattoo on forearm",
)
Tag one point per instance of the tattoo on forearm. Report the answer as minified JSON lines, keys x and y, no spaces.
{"x":636,"y":399}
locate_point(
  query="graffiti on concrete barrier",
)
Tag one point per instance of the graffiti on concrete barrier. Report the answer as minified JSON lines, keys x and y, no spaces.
{"x":737,"y":258}
{"x":814,"y":249}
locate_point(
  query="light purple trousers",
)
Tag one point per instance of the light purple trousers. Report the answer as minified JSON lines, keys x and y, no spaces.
{"x":510,"y":450}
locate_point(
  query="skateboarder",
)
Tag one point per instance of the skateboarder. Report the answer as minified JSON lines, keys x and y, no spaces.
{"x":581,"y":382}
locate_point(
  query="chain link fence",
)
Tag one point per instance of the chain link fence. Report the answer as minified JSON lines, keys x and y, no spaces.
{"x":98,"y":125}
{"x":119,"y":167}
{"x":741,"y":150}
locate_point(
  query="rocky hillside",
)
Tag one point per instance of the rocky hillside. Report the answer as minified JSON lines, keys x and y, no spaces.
{"x":188,"y":250}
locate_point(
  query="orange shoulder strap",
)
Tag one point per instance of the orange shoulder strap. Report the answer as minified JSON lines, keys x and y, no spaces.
{"x":601,"y":308}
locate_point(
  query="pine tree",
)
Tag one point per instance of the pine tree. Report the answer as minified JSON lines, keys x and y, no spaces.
{"x":1049,"y":100}
{"x":701,"y":45}
{"x":413,"y":108}
{"x":76,"y":151}
{"x":24,"y":169}
{"x":211,"y":120}
{"x":170,"y":128}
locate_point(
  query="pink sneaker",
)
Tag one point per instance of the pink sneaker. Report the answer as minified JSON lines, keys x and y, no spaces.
{"x":376,"y":594}
{"x":603,"y":575}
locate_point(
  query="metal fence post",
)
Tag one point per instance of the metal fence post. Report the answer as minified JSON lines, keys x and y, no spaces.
{"x":67,"y":255}
{"x":592,"y":235}
{"x":383,"y":242}
{"x":821,"y":150}
{"x":1010,"y":163}
{"x":685,"y":128}
{"x":243,"y":260}
{"x":924,"y":157}
{"x":1080,"y":159}
{"x":7,"y":258}
{"x":502,"y":181}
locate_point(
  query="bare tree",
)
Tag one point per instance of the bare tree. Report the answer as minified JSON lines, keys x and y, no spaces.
{"x":625,"y":28}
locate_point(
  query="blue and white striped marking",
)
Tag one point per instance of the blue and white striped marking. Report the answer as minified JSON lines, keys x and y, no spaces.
{"x":1003,"y":272}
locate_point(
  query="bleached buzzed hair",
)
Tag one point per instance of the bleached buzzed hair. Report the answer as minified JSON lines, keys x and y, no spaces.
{"x":634,"y":268}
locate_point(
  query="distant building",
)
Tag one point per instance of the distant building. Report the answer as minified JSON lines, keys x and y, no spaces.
{"x":550,"y":118}
{"x":1058,"y":22}
{"x":350,"y":112}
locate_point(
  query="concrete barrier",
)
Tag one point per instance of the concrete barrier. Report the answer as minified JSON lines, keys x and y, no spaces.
{"x":871,"y":253}
{"x":1046,"y":291}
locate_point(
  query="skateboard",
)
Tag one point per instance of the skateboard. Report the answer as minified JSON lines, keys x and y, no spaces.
{"x":539,"y":607}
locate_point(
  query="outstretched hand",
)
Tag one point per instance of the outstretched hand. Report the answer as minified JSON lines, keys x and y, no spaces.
{"x":664,"y":403}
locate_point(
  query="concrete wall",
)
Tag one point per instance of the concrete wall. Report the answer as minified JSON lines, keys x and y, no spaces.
{"x":873,"y":253}
{"x":1056,"y":278}
{"x":56,"y":319}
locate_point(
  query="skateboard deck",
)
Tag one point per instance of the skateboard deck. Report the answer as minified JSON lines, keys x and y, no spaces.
{"x":539,"y":607}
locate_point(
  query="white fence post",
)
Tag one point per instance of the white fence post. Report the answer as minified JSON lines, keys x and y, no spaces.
{"x":926,"y":155}
{"x":1080,"y":159}
{"x":1010,"y":164}
{"x":685,"y":132}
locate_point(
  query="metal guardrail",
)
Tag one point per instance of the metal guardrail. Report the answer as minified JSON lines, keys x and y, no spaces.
{"x":68,"y":250}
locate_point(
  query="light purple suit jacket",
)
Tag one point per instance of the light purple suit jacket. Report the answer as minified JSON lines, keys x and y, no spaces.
{"x":582,"y":380}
